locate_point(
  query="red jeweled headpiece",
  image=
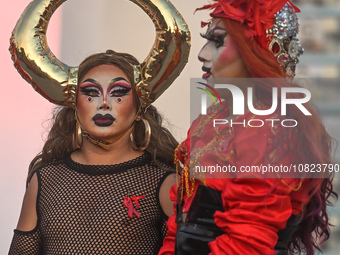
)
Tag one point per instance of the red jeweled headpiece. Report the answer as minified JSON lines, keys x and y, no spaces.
{"x":272,"y":23}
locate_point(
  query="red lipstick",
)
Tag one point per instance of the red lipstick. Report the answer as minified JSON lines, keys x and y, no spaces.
{"x":207,"y":73}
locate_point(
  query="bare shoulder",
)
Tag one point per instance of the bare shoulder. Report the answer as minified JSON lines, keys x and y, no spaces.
{"x":28,"y":216}
{"x":164,"y":191}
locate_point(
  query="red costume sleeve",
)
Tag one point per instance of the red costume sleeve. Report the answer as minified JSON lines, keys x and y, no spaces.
{"x":253,"y":215}
{"x":255,"y":208}
{"x":169,"y":241}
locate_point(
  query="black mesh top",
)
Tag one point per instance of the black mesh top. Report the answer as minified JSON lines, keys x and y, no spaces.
{"x":81,"y":210}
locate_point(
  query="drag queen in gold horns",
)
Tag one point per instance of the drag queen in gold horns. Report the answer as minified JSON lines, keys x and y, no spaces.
{"x":101,"y":183}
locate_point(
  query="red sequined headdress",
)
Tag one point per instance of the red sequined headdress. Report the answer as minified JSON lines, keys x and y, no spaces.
{"x":272,"y":23}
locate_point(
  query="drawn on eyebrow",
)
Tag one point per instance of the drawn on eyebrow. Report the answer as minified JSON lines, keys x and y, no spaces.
{"x":118,"y":79}
{"x":92,"y":81}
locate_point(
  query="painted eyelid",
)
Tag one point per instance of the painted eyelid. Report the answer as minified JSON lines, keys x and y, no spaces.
{"x":213,"y":37}
{"x":123,"y":90}
{"x":120,"y":89}
{"x":90,"y":85}
{"x":90,"y":89}
{"x":218,"y":38}
{"x":122,"y":84}
{"x":119,"y":92}
{"x":222,"y":36}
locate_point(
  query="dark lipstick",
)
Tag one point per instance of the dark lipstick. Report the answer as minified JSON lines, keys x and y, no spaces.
{"x":103,"y":120}
{"x":207,"y":73}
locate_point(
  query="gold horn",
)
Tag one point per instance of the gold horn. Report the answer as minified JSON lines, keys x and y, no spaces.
{"x":57,"y":81}
{"x":169,"y":53}
{"x":35,"y":61}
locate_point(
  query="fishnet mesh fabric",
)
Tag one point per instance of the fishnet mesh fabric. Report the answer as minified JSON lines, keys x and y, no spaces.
{"x":26,"y":242}
{"x":81,"y":210}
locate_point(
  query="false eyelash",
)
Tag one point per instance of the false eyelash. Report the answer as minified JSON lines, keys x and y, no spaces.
{"x":89,"y":90}
{"x":204,"y":36}
{"x":219,"y":40}
{"x":115,"y":88}
{"x":119,"y":91}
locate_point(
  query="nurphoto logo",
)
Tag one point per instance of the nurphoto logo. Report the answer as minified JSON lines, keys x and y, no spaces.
{"x":238,"y":104}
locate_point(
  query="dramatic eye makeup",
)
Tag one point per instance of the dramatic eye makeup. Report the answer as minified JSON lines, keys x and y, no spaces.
{"x":217,"y":39}
{"x":216,"y":35}
{"x":89,"y":88}
{"x":119,"y":87}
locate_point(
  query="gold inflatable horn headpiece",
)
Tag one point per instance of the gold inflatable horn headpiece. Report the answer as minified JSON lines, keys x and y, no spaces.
{"x":57,"y":81}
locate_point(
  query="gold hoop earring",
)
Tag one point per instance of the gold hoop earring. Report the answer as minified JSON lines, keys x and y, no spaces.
{"x":77,"y":137}
{"x":147,"y":137}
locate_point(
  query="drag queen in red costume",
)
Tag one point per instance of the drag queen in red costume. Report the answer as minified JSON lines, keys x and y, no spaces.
{"x":232,"y":214}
